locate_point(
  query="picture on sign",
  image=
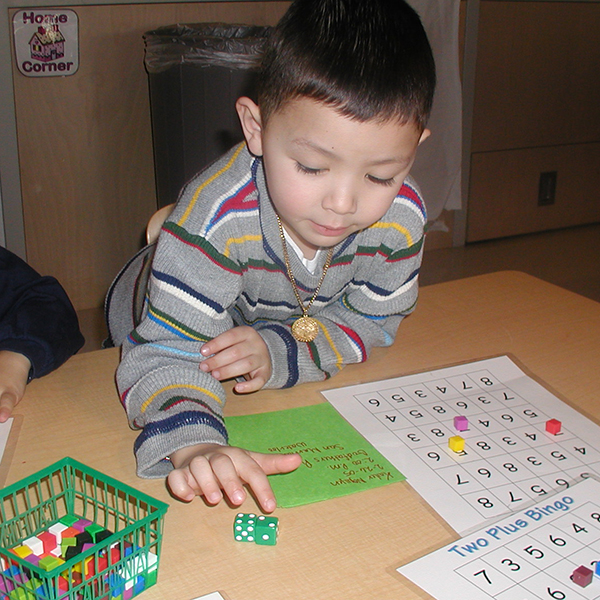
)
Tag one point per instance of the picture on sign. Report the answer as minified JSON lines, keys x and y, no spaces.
{"x":46,"y":42}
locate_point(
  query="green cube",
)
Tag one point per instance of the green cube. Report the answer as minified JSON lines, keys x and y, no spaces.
{"x":243,"y":527}
{"x":94,"y":529}
{"x":50,"y":562}
{"x":66,"y":543}
{"x":267,"y":529}
{"x":69,"y":520}
{"x":22,"y":593}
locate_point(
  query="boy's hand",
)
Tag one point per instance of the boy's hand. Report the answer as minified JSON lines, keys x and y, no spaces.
{"x":239,"y":352}
{"x":14,"y":372}
{"x":206,"y":469}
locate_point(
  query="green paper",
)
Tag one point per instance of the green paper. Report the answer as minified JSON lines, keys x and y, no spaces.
{"x":336,"y":459}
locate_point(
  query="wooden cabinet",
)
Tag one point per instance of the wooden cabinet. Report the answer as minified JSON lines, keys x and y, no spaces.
{"x":536,"y":110}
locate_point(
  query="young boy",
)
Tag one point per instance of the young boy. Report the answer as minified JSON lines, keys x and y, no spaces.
{"x":295,"y":253}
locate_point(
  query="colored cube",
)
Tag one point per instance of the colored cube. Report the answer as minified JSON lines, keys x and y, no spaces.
{"x":582,"y":576}
{"x":63,"y":583}
{"x":116,"y":584}
{"x":21,"y":551}
{"x":89,"y":567}
{"x":68,"y":520}
{"x":553,"y":426}
{"x":56,"y":529}
{"x":114,"y":555}
{"x":50,"y":562}
{"x":33,"y":559}
{"x":69,"y":532}
{"x":243,"y":527}
{"x":22,"y":593}
{"x":151,"y":577}
{"x":35,"y":544}
{"x":84,"y":538}
{"x":102,"y":535}
{"x":6,"y":585}
{"x":266,"y":530}
{"x":140,"y":585}
{"x":71,"y":551}
{"x":456,"y":443}
{"x":94,"y":530}
{"x":48,"y":540}
{"x":461,"y":423}
{"x":66,"y":543}
{"x":81,"y":524}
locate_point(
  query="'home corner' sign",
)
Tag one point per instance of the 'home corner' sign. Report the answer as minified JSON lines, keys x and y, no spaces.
{"x":46,"y":42}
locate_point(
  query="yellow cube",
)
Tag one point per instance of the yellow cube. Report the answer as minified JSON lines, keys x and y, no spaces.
{"x":456,"y":443}
{"x":22,"y":551}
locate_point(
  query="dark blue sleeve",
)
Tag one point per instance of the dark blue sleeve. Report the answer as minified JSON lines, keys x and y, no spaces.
{"x":37,"y":318}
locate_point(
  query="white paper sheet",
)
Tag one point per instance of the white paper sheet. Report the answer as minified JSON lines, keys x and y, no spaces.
{"x":531,"y":554}
{"x":509,"y":459}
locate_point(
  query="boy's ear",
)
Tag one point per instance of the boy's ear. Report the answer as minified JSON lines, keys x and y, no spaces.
{"x":426,"y":133}
{"x":249,"y":115}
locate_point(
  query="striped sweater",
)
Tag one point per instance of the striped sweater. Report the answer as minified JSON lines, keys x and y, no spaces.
{"x":219,"y":263}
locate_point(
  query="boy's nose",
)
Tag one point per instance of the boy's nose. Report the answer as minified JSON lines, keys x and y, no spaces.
{"x":341,"y":200}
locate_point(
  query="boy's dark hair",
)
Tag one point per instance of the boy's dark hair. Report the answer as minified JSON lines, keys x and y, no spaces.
{"x":369,"y":59}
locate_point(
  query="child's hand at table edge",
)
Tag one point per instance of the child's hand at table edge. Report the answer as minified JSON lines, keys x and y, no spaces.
{"x":14,"y":371}
{"x":210,"y":470}
{"x":238,"y":352}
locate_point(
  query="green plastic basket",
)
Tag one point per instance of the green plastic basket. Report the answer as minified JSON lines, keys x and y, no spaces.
{"x":119,"y":567}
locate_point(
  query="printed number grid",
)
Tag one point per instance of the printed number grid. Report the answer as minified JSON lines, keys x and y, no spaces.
{"x":539,"y":566}
{"x":509,"y":459}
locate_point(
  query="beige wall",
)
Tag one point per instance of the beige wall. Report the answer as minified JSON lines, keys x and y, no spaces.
{"x":85,"y":144}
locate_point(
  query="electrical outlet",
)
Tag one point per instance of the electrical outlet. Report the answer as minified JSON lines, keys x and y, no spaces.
{"x":547,"y":188}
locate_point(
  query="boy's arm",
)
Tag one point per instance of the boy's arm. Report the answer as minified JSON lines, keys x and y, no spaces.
{"x":38,"y":319}
{"x":14,"y":372}
{"x":192,"y":283}
{"x":178,"y":406}
{"x":162,"y":388}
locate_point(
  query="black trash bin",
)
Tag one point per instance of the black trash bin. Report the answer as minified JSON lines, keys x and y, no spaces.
{"x":196,"y":72}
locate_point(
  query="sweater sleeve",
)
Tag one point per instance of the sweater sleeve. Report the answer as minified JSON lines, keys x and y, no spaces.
{"x":164,"y":392}
{"x":381,"y":290}
{"x":37,"y":318}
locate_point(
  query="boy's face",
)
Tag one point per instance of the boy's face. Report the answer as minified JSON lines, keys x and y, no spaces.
{"x":328,"y":175}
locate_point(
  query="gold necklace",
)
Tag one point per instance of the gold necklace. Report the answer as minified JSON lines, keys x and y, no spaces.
{"x":305,"y":328}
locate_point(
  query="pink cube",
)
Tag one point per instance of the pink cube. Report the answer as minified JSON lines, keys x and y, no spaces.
{"x":553,"y":426}
{"x":461,"y":423}
{"x":48,"y":540}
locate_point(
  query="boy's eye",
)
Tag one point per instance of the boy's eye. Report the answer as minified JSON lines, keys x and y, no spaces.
{"x":308,"y":170}
{"x":380,"y":181}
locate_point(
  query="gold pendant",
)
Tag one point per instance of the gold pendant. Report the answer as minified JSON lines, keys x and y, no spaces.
{"x":305,"y":329}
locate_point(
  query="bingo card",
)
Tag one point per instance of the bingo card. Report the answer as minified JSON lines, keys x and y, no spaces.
{"x":530,"y":555}
{"x":509,"y":458}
